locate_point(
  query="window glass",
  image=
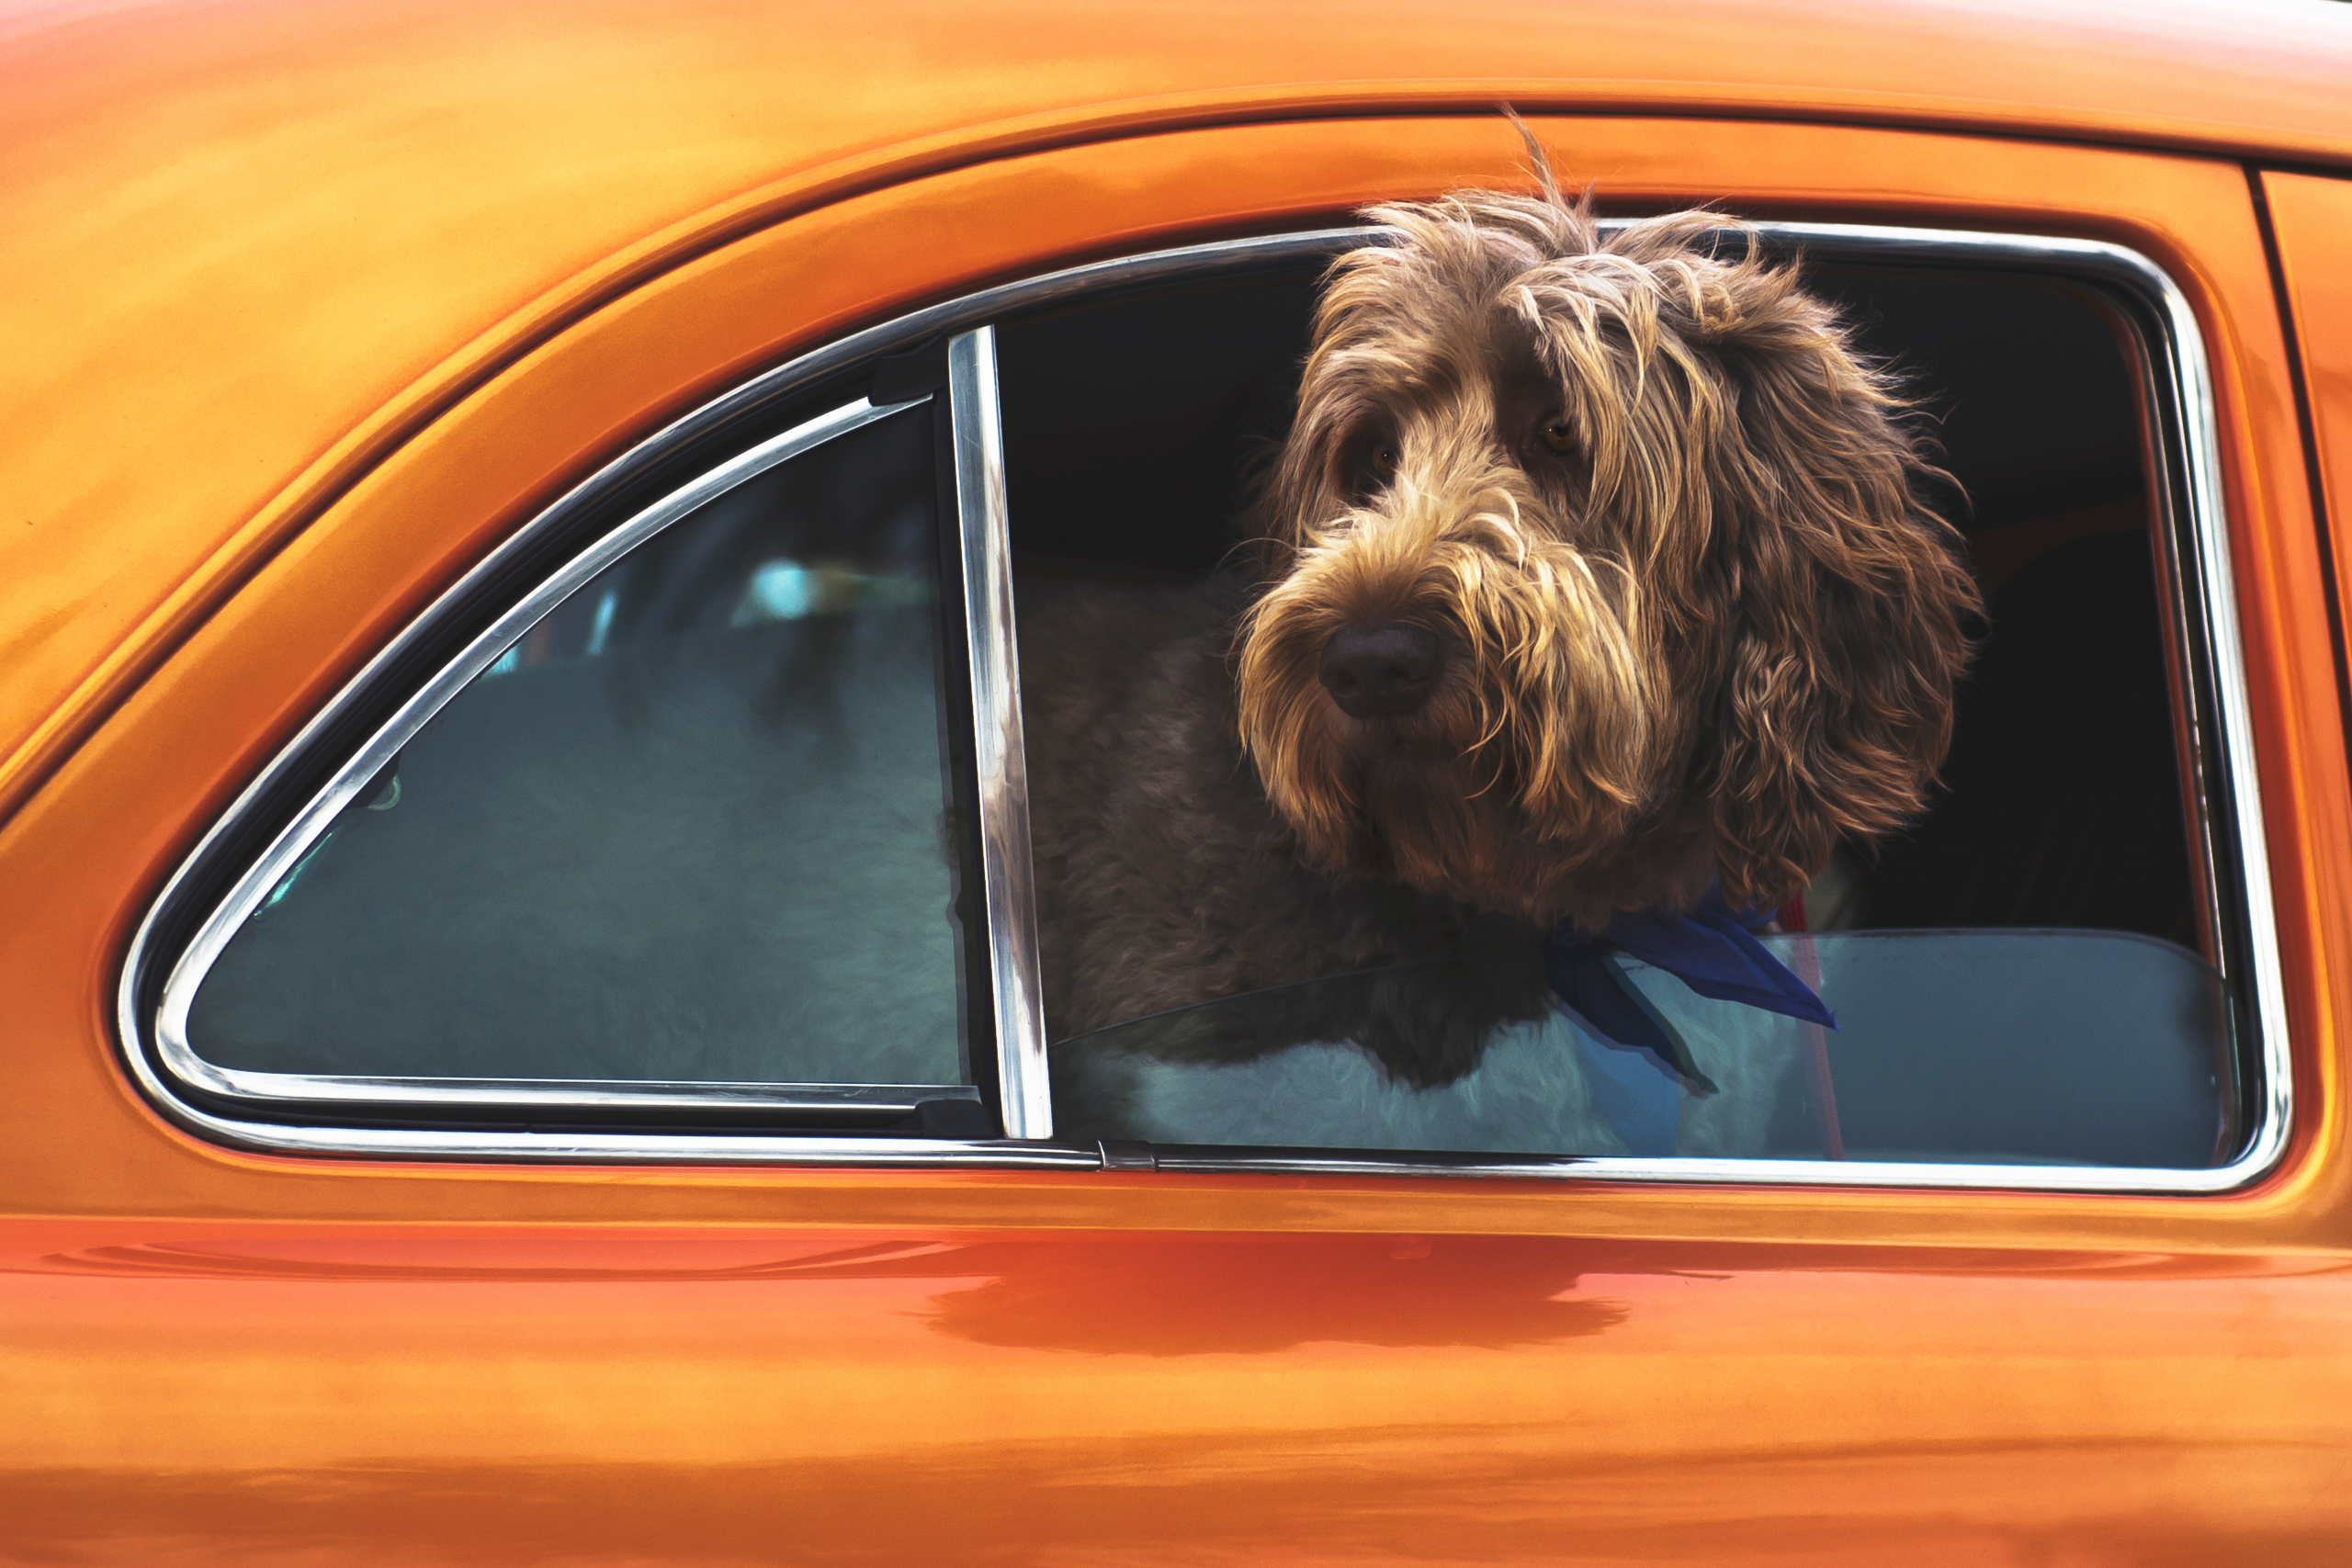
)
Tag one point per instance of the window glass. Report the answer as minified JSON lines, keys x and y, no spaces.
{"x":692,"y":826}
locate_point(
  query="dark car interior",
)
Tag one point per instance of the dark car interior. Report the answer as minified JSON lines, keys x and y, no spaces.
{"x":2061,"y":803}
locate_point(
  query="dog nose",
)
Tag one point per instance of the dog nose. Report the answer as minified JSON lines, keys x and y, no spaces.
{"x":1380,"y":672}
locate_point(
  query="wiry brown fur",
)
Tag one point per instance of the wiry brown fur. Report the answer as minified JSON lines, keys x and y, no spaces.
{"x":1708,"y":640}
{"x":1162,"y":879}
{"x":1717,"y":638}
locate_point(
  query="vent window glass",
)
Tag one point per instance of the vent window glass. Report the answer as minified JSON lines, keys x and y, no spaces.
{"x":694,"y":826}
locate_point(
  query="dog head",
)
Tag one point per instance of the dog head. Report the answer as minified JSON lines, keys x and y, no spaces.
{"x":1592,"y":570}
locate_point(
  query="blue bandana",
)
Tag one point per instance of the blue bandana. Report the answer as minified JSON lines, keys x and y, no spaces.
{"x":1637,"y":1066}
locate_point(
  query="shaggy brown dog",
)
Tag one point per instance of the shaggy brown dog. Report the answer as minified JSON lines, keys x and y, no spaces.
{"x":1590,"y":573}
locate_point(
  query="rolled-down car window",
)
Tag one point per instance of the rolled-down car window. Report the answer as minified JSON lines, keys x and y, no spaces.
{"x":2027,"y":974}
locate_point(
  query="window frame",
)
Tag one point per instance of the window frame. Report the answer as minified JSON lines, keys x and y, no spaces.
{"x":321,"y":1116}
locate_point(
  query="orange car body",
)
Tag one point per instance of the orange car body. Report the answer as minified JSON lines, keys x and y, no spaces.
{"x":306,"y":307}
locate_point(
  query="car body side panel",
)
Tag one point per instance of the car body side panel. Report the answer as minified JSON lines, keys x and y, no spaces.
{"x":2312,"y":218}
{"x":2313,"y":227}
{"x":501,"y":1396}
{"x":225,"y":1355}
{"x":261,"y":242}
{"x":155,"y":776}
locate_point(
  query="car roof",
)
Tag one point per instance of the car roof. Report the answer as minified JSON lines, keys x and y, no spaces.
{"x":237,"y":229}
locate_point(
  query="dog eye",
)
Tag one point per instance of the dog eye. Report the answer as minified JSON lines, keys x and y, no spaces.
{"x":1375,"y":465}
{"x":1560,"y":437}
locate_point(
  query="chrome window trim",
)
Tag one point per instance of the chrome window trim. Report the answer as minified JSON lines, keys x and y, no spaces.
{"x":1025,"y":1099}
{"x":296,"y":838}
{"x":2203,"y":580}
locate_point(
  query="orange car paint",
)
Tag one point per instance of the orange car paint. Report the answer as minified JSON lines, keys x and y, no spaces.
{"x":210,"y":1355}
{"x":2312,"y":215}
{"x":347,"y":215}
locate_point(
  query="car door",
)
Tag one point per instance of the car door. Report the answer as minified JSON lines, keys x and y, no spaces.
{"x":439,"y":1295}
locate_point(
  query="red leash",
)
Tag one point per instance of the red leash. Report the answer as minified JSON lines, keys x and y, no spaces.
{"x":1807,"y":965}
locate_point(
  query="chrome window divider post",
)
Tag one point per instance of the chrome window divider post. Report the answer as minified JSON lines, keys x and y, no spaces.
{"x":998,"y":754}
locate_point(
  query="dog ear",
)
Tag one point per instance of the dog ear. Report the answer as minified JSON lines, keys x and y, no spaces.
{"x":1296,"y":482}
{"x":1850,"y":601}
